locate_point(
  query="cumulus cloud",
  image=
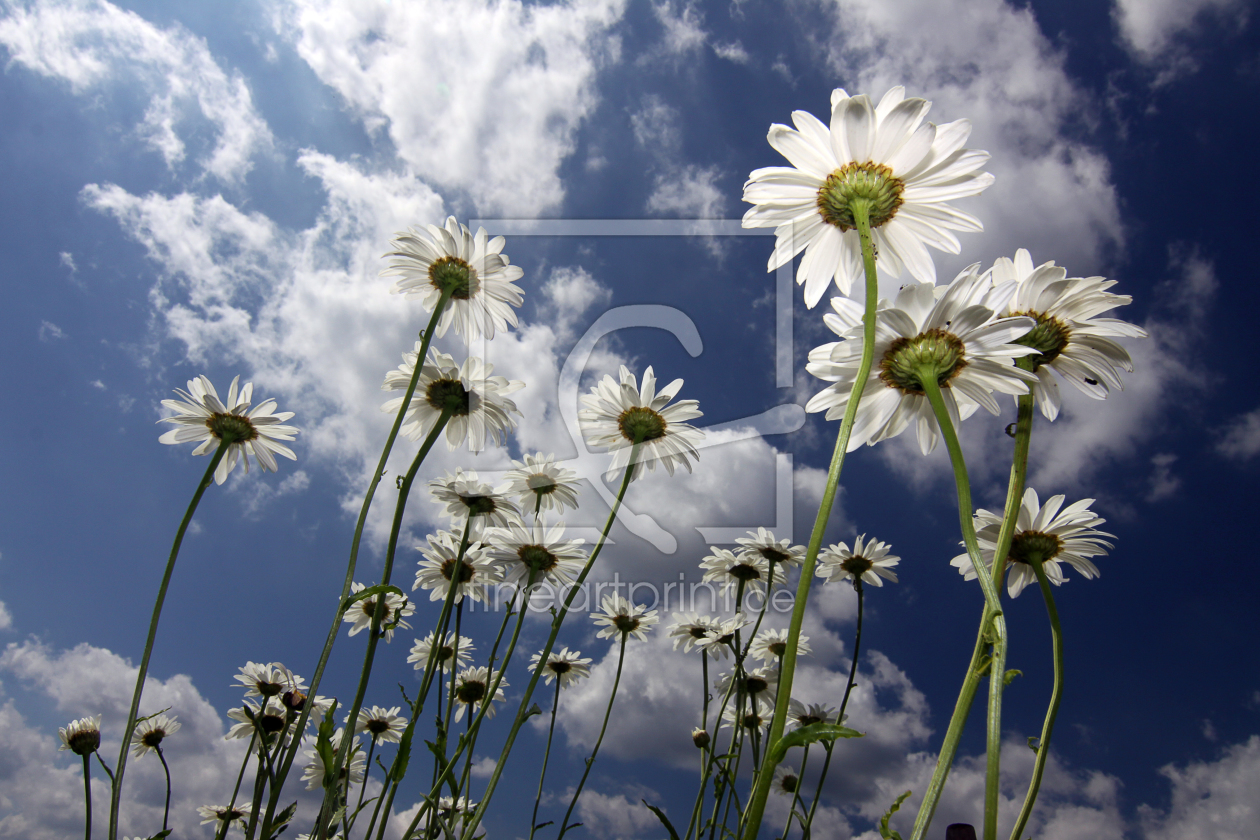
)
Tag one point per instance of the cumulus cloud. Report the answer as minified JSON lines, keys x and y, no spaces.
{"x":1211,"y":800}
{"x":48,"y":331}
{"x":1160,"y":34}
{"x":1241,"y":437}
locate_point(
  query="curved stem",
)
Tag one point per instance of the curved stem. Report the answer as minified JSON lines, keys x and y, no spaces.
{"x":757,"y":802}
{"x":551,"y":731}
{"x":116,"y":793}
{"x":590,"y":762}
{"x":166,"y":811}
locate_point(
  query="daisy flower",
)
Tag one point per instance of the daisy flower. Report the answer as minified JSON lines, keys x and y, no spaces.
{"x":616,"y":415}
{"x":268,"y":680}
{"x":769,"y":645}
{"x":82,"y":736}
{"x":786,"y":780}
{"x":477,"y":402}
{"x":760,"y":684}
{"x":1069,"y":339}
{"x":472,"y":266}
{"x":396,"y":608}
{"x":801,"y":715}
{"x":476,"y":570}
{"x":149,"y":733}
{"x":449,"y":655}
{"x":949,"y":333}
{"x":751,"y":719}
{"x":565,"y":665}
{"x":691,"y":630}
{"x":730,"y":569}
{"x":222,"y":815}
{"x":520,"y":550}
{"x":468,"y":499}
{"x":700,"y":737}
{"x":313,"y":773}
{"x":870,"y":562}
{"x":202,"y":416}
{"x":471,"y":688}
{"x":539,"y":482}
{"x":1051,"y":533}
{"x":902,"y":168}
{"x":779,"y":552}
{"x":271,"y":717}
{"x":622,"y":618}
{"x":722,"y":642}
{"x":381,"y":723}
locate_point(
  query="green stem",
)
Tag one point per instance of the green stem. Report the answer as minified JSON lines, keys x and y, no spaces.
{"x":116,"y":793}
{"x":166,"y":811}
{"x":757,"y":802}
{"x":590,"y":762}
{"x":551,"y":731}
{"x":1056,"y":695}
{"x":796,"y":796}
{"x":87,"y":792}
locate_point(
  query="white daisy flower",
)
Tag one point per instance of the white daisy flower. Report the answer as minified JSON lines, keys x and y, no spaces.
{"x":396,"y":608}
{"x":468,"y":499}
{"x":478,"y":403}
{"x":471,"y":688}
{"x":1053,"y":533}
{"x":903,"y":168}
{"x":870,"y":562}
{"x":484,"y":298}
{"x":313,"y":773}
{"x":82,"y":736}
{"x":801,"y":715}
{"x":760,"y":684}
{"x":786,"y":781}
{"x":617,"y":414}
{"x":381,"y":723}
{"x":202,"y":416}
{"x":149,"y":733}
{"x":730,"y":569}
{"x":476,"y":569}
{"x":564,"y":665}
{"x":1069,"y":338}
{"x":770,"y":645}
{"x":722,"y":643}
{"x":948,"y":332}
{"x":268,"y":679}
{"x":520,"y":549}
{"x":272,"y":717}
{"x":779,"y":552}
{"x":752,"y":717}
{"x":690,"y":631}
{"x":542,"y":485}
{"x":622,"y":618}
{"x":450,"y":655}
{"x":222,"y":815}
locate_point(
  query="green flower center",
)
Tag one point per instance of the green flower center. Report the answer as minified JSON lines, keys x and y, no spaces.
{"x":235,"y":426}
{"x":449,"y":395}
{"x":640,"y":424}
{"x":465,"y":570}
{"x":870,"y":183}
{"x":455,"y":275}
{"x":541,"y":483}
{"x":856,"y":565}
{"x":478,"y":505}
{"x":536,"y":558}
{"x":1034,"y":544}
{"x":470,"y":691}
{"x":1049,"y":338}
{"x":932,"y":353}
{"x":626,"y":623}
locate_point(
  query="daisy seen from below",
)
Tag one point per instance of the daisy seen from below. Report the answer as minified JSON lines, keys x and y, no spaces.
{"x":564,"y":665}
{"x":472,"y":687}
{"x":884,"y":156}
{"x":222,"y":815}
{"x":691,"y":630}
{"x":450,"y":654}
{"x":748,"y":568}
{"x":801,"y":715}
{"x":268,"y":679}
{"x":779,"y":552}
{"x":751,"y":718}
{"x":1049,"y":534}
{"x":722,"y":643}
{"x":437,"y":569}
{"x":521,"y":549}
{"x":381,"y":724}
{"x":360,"y":613}
{"x":271,"y":717}
{"x":471,"y":266}
{"x":786,"y":780}
{"x":622,"y":618}
{"x":1069,"y":337}
{"x":760,"y":684}
{"x":313,"y":773}
{"x":151,"y":732}
{"x":542,"y":485}
{"x":476,"y":401}
{"x":616,"y":415}
{"x":201,"y":416}
{"x":769,"y":645}
{"x":869,"y":561}
{"x":82,"y":736}
{"x":469,"y":499}
{"x":947,"y":333}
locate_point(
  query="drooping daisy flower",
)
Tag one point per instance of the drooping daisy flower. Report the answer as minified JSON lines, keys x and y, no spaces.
{"x":202,"y":416}
{"x":381,"y":724}
{"x":520,"y":550}
{"x":477,"y":402}
{"x":564,"y":665}
{"x":751,"y":717}
{"x":949,"y":333}
{"x":870,"y":562}
{"x":472,"y":687}
{"x":770,"y":645}
{"x":886,"y":156}
{"x":779,"y":552}
{"x":1051,"y":533}
{"x":801,"y":715}
{"x":222,"y":815}
{"x":722,"y":643}
{"x":730,"y":569}
{"x":271,"y":717}
{"x":618,"y":414}
{"x":622,"y":618}
{"x":1069,"y":339}
{"x":396,"y":608}
{"x":483,"y":296}
{"x":691,"y":630}
{"x":476,"y":569}
{"x":268,"y":679}
{"x":313,"y":773}
{"x":468,"y":499}
{"x":82,"y":736}
{"x":449,"y":807}
{"x":542,"y":485}
{"x":786,"y":780}
{"x":760,"y":684}
{"x":149,"y":734}
{"x":449,"y":655}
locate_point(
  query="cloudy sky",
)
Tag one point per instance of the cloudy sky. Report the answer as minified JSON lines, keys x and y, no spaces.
{"x":208,"y":188}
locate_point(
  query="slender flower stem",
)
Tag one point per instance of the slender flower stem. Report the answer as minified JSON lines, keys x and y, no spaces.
{"x":116,"y":793}
{"x":551,"y":731}
{"x":796,"y":796}
{"x":87,"y":792}
{"x":166,"y":811}
{"x":1056,"y":695}
{"x":757,"y":801}
{"x":590,"y":762}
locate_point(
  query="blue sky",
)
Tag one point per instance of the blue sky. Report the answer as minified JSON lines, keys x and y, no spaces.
{"x":197,"y":188}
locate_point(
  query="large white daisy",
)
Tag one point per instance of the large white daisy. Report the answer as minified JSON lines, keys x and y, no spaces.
{"x":477,"y":401}
{"x":564,"y":665}
{"x":469,"y":499}
{"x":449,"y":655}
{"x":520,"y":549}
{"x":1069,"y":338}
{"x":622,"y":618}
{"x":360,"y":613}
{"x":903,"y":168}
{"x":543,"y":485}
{"x":618,"y":414}
{"x":950,"y":331}
{"x":473,"y":266}
{"x":476,"y":569}
{"x":870,"y":562}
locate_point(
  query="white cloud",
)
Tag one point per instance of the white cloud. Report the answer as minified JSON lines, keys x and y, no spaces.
{"x":92,"y":43}
{"x":1241,"y":438}
{"x":734,"y":51}
{"x":67,"y":260}
{"x":481,"y":97}
{"x":1211,"y":800}
{"x":682,"y":190}
{"x":1157,"y":33}
{"x":684,"y":29}
{"x":48,"y":331}
{"x":1163,"y":482}
{"x":567,"y":295}
{"x":618,"y":816}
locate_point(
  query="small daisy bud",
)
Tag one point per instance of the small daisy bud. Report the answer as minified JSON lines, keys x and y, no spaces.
{"x":700,"y":737}
{"x":82,"y":736}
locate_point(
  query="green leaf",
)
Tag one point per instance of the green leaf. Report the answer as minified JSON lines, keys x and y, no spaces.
{"x":1034,"y":743}
{"x":660,"y":815}
{"x":1009,"y":676}
{"x":886,"y":832}
{"x":323,"y":746}
{"x":369,"y":592}
{"x":282,"y":822}
{"x":809,"y":735}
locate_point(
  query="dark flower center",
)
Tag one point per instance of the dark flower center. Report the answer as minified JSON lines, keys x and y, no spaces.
{"x":478,"y":505}
{"x":294,"y":700}
{"x":626,"y":623}
{"x":449,"y":395}
{"x":1049,"y":338}
{"x":559,"y":666}
{"x":698,"y":632}
{"x":856,"y":565}
{"x":641,"y":424}
{"x":445,"y":652}
{"x":788,"y":783}
{"x":536,"y":558}
{"x":777,"y":648}
{"x":271,"y":722}
{"x":1029,"y":545}
{"x":465,"y":570}
{"x":808,"y":719}
{"x":455,"y":275}
{"x":752,"y":720}
{"x":268,"y":689}
{"x":153,"y":737}
{"x":470,"y":692}
{"x":85,"y":742}
{"x":755,"y":685}
{"x":870,"y":183}
{"x":774,"y":555}
{"x":232,"y":426}
{"x":933,"y":353}
{"x":376,"y":726}
{"x":745,"y":572}
{"x":541,"y":483}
